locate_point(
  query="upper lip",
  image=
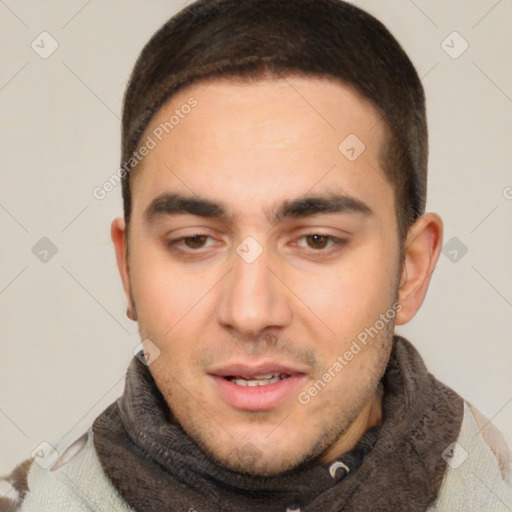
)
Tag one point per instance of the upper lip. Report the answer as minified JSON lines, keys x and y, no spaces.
{"x":248,"y":371}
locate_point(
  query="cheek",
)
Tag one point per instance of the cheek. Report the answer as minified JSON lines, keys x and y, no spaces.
{"x":347,"y":297}
{"x":163,"y":293}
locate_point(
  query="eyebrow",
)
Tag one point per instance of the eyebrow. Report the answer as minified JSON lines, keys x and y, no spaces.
{"x":170,"y":204}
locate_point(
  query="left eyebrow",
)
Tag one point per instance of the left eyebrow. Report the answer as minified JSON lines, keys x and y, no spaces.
{"x":326,"y":203}
{"x":302,"y":207}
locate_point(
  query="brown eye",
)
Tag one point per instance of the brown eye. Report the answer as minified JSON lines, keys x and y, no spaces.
{"x":191,"y":246}
{"x":195,"y":242}
{"x":317,"y":241}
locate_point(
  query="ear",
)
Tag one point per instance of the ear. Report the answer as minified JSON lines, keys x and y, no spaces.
{"x":120,"y":240}
{"x":422,"y":250}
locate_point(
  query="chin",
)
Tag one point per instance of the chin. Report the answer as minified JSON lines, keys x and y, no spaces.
{"x":250,"y":461}
{"x":266,"y":459}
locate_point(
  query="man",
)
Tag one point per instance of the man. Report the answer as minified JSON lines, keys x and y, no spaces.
{"x":274,"y":166}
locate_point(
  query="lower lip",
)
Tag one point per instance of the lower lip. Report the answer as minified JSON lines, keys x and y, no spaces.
{"x":257,"y":398}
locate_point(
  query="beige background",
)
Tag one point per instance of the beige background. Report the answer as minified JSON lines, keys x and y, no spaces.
{"x":65,"y":339}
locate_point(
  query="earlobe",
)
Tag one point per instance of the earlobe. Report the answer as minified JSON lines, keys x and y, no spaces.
{"x":130,"y":313}
{"x":423,"y":246}
{"x":118,"y":234}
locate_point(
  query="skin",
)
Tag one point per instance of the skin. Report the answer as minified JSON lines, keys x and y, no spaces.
{"x":252,"y":146}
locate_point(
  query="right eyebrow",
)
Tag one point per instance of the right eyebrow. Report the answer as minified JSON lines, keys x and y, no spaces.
{"x":177,"y":204}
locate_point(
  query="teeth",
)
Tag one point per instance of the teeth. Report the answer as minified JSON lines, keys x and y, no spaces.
{"x":258,"y":380}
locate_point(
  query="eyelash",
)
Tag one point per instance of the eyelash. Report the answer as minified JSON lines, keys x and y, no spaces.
{"x":336,"y":244}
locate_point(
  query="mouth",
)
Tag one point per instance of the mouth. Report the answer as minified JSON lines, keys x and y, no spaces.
{"x":258,"y":380}
{"x":260,"y":388}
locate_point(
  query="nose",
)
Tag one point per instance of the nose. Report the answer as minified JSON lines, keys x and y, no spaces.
{"x":254,"y":297}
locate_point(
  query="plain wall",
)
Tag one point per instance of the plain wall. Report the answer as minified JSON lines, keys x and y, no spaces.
{"x":65,"y":339}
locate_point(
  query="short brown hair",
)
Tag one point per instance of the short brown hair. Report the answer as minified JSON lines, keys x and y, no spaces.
{"x":256,"y":38}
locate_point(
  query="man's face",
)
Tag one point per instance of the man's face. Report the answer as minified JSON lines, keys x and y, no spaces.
{"x":275,"y":288}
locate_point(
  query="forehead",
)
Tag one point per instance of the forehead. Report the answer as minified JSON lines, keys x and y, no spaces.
{"x":248,"y":142}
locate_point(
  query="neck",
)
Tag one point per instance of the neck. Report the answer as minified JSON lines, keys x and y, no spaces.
{"x":369,"y":416}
